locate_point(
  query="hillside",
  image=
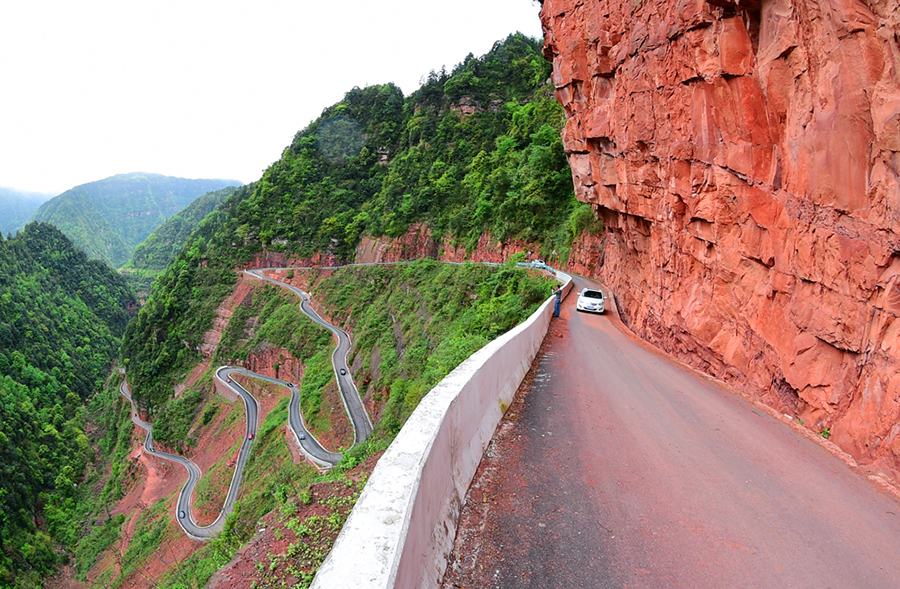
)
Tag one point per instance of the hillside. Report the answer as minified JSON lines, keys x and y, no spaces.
{"x":61,"y":317}
{"x":17,"y":207}
{"x":471,"y":154}
{"x":109,"y":218}
{"x":152,"y":256}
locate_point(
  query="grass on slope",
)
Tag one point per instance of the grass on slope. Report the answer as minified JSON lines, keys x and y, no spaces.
{"x":413,"y":323}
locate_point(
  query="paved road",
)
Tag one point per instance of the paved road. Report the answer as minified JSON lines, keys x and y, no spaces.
{"x":183,"y":504}
{"x":359,"y":417}
{"x":619,"y":468}
{"x":307,"y":442}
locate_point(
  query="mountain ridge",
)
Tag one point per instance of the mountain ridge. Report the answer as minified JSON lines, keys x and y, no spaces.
{"x":109,"y":218}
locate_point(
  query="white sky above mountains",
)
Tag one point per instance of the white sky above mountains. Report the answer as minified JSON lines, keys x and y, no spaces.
{"x":208,"y":89}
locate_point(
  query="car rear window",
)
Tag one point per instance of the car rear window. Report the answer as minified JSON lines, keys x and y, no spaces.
{"x":592,"y":294}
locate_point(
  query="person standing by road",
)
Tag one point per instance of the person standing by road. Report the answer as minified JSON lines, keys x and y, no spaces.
{"x":558,"y":302}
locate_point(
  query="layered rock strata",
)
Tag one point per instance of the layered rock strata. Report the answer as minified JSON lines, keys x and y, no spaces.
{"x":745,"y":157}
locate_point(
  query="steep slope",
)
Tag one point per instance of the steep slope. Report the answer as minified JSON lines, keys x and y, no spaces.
{"x":152,"y":256}
{"x":744,"y":158}
{"x":109,"y":218}
{"x":60,"y":319}
{"x":474,"y":154}
{"x":16,"y":207}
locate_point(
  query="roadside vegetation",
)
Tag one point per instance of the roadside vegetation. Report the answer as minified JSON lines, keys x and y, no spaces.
{"x":413,"y":323}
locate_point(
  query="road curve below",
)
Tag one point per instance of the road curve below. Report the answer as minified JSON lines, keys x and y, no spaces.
{"x":183,"y":504}
{"x":308,"y":443}
{"x":619,"y":467}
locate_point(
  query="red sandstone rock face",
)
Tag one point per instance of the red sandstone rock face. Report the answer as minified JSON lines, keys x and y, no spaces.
{"x":745,"y":157}
{"x":418,"y":243}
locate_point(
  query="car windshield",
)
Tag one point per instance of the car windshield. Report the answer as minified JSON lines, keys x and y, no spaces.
{"x":592,"y":294}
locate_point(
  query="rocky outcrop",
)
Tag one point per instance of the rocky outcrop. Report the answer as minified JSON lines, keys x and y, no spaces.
{"x":744,"y":156}
{"x":275,"y":362}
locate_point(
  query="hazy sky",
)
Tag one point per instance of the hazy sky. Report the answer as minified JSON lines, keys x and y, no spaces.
{"x":212,"y":89}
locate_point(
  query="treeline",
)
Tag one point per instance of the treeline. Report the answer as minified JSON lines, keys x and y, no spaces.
{"x":477,"y":150}
{"x":61,"y":317}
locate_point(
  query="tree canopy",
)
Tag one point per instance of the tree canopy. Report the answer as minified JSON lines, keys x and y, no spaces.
{"x":61,"y":317}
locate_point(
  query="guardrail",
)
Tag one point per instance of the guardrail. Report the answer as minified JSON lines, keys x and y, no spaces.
{"x":401,"y":530}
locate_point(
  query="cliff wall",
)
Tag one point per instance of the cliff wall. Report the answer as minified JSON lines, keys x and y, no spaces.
{"x":745,"y":158}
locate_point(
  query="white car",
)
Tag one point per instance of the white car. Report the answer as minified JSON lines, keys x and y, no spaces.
{"x":591,"y":299}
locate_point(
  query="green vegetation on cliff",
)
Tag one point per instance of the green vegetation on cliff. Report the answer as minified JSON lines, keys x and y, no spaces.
{"x":473,"y":152}
{"x":60,"y":319}
{"x":109,"y":218}
{"x":414,"y":323}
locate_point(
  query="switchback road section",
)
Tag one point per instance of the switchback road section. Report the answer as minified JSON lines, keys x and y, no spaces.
{"x":183,"y":504}
{"x":359,"y":417}
{"x":309,"y":445}
{"x":618,"y":467}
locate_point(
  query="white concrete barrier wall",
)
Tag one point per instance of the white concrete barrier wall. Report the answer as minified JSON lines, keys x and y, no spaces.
{"x":401,"y":530}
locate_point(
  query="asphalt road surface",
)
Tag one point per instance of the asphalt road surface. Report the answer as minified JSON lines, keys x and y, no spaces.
{"x":353,"y":404}
{"x":308,"y":443}
{"x":183,"y":504}
{"x":617,"y":467}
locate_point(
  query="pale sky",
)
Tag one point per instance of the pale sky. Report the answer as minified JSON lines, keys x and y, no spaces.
{"x":211,"y":89}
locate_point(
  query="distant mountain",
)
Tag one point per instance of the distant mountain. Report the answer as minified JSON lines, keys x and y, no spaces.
{"x":16,"y":207}
{"x":109,"y":218}
{"x":153,"y":255}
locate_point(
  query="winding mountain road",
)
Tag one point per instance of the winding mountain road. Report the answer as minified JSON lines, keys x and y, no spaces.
{"x":183,"y":504}
{"x":359,"y":417}
{"x":362,"y":425}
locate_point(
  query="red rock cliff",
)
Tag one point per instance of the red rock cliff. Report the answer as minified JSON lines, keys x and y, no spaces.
{"x":744,"y":156}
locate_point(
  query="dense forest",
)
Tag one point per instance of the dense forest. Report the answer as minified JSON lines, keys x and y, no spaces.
{"x":153,"y":255}
{"x":473,"y":151}
{"x":109,"y":218}
{"x":61,"y":317}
